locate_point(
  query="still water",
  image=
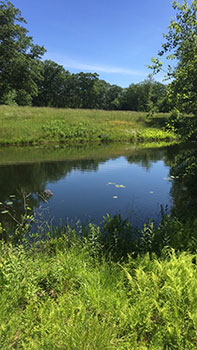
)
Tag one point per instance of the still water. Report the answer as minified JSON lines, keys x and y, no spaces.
{"x":86,"y":183}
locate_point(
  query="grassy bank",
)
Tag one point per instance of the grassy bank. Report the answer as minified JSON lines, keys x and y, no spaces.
{"x":32,"y":125}
{"x":85,"y":292}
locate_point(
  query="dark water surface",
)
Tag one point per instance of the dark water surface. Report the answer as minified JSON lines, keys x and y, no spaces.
{"x":88,"y":182}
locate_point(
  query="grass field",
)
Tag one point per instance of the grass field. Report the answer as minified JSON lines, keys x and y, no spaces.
{"x":32,"y":125}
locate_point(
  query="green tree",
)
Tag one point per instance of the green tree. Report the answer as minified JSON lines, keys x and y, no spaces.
{"x":52,"y":90}
{"x":20,"y":65}
{"x":86,"y":87}
{"x":181,"y":48}
{"x":113,"y":96}
{"x":147,"y":96}
{"x":101,"y":89}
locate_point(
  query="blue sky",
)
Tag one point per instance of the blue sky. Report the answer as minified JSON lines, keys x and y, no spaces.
{"x":115,"y":38}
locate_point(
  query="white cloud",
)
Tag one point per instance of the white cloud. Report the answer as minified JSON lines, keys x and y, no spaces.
{"x":73,"y":64}
{"x":102,"y":68}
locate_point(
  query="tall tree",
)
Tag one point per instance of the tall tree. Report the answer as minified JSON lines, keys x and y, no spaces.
{"x":101,"y":88}
{"x":181,"y":47}
{"x":86,"y":86}
{"x":147,"y":96}
{"x":20,"y":65}
{"x":113,"y":96}
{"x":52,"y":90}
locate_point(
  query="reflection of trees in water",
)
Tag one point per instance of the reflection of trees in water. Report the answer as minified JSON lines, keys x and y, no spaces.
{"x":33,"y":178}
{"x":182,"y":161}
{"x":184,"y":189}
{"x":145,"y":157}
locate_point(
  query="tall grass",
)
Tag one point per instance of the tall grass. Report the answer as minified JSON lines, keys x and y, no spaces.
{"x":109,"y":287}
{"x":60,"y":296}
{"x":32,"y":125}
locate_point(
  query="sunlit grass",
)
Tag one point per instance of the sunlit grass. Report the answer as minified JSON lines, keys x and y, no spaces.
{"x":100,"y":287}
{"x":23,"y":125}
{"x":60,"y":296}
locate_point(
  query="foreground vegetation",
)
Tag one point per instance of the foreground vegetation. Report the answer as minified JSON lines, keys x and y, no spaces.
{"x":100,"y":290}
{"x":28,"y":125}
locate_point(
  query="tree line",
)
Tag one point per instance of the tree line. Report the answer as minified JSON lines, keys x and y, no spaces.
{"x":25,"y":79}
{"x":60,"y":88}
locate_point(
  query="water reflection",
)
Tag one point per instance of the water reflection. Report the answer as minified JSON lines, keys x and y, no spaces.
{"x":79,"y":186}
{"x":184,"y":189}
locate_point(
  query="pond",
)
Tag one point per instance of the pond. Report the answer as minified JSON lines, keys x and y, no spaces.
{"x":66,"y":184}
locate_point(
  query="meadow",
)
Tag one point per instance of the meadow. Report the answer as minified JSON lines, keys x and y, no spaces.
{"x":40,"y":126}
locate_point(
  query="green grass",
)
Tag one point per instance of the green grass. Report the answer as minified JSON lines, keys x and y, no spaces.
{"x":60,"y":296}
{"x":98,"y":291}
{"x":32,"y":125}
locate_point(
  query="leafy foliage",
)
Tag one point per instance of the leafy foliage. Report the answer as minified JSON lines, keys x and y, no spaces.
{"x":181,"y":46}
{"x":59,"y":295}
{"x":20,"y":63}
{"x":83,"y":131}
{"x":184,"y":126}
{"x":184,"y":171}
{"x":149,"y":96}
{"x":59,"y":89}
{"x":51,"y":89}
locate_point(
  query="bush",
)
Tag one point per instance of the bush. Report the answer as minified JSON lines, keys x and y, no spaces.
{"x":184,"y":126}
{"x":9,"y":98}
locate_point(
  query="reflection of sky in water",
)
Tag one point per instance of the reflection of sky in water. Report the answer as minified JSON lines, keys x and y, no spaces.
{"x":87,"y":194}
{"x":81,"y":186}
